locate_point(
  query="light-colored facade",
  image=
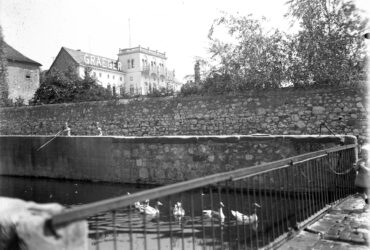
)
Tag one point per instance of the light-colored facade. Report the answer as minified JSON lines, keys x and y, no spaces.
{"x":137,"y":71}
{"x":146,"y":70}
{"x":108,"y":72}
{"x":23,"y":75}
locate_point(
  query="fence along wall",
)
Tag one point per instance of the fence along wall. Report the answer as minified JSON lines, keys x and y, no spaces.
{"x":150,"y":160}
{"x":284,"y":111}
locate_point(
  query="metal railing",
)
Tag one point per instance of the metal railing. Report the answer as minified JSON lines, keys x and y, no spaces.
{"x":249,"y":208}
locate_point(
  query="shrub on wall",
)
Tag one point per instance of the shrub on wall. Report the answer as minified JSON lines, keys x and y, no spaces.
{"x":161,"y":92}
{"x":64,"y":87}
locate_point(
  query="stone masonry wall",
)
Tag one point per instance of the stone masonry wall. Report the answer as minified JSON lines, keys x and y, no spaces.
{"x":282,"y":111}
{"x":149,"y":160}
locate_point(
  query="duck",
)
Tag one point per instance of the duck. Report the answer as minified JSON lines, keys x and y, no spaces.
{"x":215,"y":214}
{"x":140,"y":206}
{"x":246,"y":219}
{"x":152,"y":211}
{"x":178,"y":211}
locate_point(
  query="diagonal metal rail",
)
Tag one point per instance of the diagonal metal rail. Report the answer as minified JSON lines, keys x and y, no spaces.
{"x":85,"y":211}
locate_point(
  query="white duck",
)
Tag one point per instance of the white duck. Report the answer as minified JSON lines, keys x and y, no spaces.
{"x":215,"y":214}
{"x":246,"y":219}
{"x":140,"y":206}
{"x":153,"y":211}
{"x":178,"y":211}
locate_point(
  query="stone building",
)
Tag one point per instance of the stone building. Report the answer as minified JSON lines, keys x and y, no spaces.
{"x":108,"y":72}
{"x":136,"y":71}
{"x":23,"y":75}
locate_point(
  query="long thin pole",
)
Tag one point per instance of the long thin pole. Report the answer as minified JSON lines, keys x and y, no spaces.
{"x":129,"y":33}
{"x":46,"y":143}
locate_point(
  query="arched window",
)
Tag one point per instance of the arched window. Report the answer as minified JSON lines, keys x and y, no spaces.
{"x":132,"y":63}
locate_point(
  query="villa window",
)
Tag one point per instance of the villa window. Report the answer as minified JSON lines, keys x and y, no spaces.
{"x":131,"y":78}
{"x":132,"y":63}
{"x":128,"y":63}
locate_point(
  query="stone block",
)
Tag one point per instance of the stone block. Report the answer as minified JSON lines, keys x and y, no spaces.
{"x":301,"y":124}
{"x":318,"y":110}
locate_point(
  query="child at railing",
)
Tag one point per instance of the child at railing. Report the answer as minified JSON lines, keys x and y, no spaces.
{"x":362,"y":181}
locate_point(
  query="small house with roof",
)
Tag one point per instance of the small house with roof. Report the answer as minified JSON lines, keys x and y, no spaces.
{"x":23,"y":75}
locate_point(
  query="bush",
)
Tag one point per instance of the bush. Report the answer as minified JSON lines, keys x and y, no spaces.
{"x":64,"y":87}
{"x":190,"y":89}
{"x":162,"y":92}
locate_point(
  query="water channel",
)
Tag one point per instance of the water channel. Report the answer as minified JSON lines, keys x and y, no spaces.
{"x":191,"y":232}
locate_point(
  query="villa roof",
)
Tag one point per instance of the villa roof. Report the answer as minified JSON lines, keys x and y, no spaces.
{"x":79,"y":57}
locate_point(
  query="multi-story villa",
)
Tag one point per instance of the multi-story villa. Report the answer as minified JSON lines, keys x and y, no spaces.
{"x":136,"y":71}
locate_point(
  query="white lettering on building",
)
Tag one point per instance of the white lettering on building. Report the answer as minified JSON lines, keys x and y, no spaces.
{"x":98,"y":62}
{"x":102,"y":62}
{"x":86,"y":59}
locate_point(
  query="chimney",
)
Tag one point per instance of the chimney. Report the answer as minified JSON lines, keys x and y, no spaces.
{"x":197,"y":72}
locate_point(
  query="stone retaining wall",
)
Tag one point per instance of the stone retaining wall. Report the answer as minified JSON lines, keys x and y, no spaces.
{"x":282,"y":111}
{"x":150,"y":160}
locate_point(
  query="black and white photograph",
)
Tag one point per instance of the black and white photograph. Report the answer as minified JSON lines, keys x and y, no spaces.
{"x":184,"y":124}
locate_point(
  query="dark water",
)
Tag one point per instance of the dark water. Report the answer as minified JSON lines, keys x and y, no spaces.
{"x":65,"y":192}
{"x":192,"y":231}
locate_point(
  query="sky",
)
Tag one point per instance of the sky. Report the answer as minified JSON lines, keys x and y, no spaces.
{"x":39,"y":28}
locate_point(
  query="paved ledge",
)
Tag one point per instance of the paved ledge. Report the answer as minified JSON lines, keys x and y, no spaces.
{"x":346,"y":226}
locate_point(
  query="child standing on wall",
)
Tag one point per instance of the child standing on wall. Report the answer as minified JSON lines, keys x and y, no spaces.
{"x":362,"y":181}
{"x":100,"y":131}
{"x":67,"y":129}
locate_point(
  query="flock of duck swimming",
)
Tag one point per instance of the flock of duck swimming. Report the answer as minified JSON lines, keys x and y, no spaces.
{"x":179,"y":211}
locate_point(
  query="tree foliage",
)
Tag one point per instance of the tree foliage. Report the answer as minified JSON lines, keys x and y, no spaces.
{"x":255,"y":57}
{"x":329,"y":48}
{"x":61,"y":87}
{"x":4,"y":89}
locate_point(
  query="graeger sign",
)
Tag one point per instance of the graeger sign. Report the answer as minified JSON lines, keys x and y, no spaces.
{"x":102,"y":62}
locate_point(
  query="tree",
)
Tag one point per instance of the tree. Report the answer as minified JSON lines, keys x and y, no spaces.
{"x":328,"y":49}
{"x":4,"y":88}
{"x":255,"y":57}
{"x":61,"y":87}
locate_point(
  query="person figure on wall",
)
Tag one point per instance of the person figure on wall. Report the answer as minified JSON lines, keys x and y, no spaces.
{"x":362,"y":181}
{"x":100,"y":131}
{"x":67,"y":129}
